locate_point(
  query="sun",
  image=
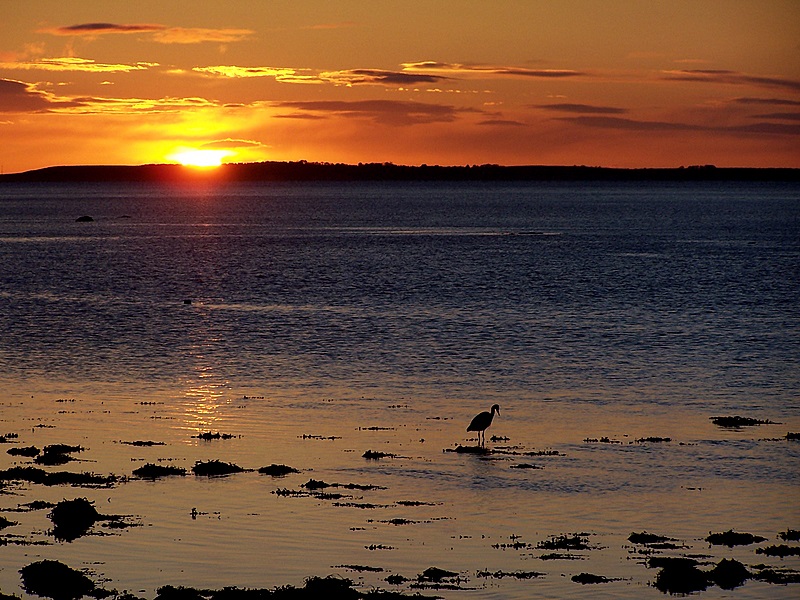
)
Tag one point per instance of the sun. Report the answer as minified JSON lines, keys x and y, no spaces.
{"x":199,"y":158}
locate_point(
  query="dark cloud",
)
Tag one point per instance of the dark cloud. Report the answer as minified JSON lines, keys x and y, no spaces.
{"x":768,"y":101}
{"x":301,"y":116}
{"x":779,"y":116}
{"x":159,"y":33}
{"x":630,"y":124}
{"x":488,"y":70}
{"x":103,"y":28}
{"x":663,"y":126}
{"x":19,"y":97}
{"x":392,"y":112}
{"x":585,"y":109}
{"x":390,"y":77}
{"x":502,"y":123}
{"x":731,"y":77}
{"x":765,"y":129}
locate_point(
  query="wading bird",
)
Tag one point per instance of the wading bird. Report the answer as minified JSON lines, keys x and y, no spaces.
{"x":481,"y":422}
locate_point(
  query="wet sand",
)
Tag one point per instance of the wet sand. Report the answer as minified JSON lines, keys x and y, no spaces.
{"x":134,"y":490}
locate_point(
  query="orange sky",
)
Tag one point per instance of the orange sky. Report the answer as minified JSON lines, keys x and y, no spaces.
{"x":623,"y":83}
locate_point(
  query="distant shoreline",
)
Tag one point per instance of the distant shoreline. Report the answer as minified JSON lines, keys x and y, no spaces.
{"x":331,"y":172}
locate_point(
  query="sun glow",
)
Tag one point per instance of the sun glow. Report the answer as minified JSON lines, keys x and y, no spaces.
{"x":200,"y":158}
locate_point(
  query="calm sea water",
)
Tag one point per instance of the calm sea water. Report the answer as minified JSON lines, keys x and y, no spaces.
{"x":584,"y":310}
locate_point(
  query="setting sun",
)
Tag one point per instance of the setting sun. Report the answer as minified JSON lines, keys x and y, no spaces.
{"x":200,"y":158}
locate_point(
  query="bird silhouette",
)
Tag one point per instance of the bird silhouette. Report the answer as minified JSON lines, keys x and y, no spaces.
{"x":482,"y":421}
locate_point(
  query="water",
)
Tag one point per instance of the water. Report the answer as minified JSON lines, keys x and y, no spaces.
{"x":280,"y":310}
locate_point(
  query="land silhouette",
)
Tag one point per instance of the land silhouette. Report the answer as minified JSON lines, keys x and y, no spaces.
{"x":324,"y":171}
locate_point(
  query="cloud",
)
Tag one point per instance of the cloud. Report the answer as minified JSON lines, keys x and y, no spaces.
{"x":21,"y":97}
{"x":487,"y":71}
{"x":96,"y":105}
{"x":586,"y":109}
{"x":348,"y":77}
{"x":95,"y":29}
{"x":631,"y":124}
{"x":768,"y":101}
{"x":377,"y":77}
{"x":229,"y":143}
{"x":780,"y":116}
{"x":663,"y":126}
{"x":158,"y":33}
{"x":187,"y":35}
{"x":75,"y":64}
{"x":16,"y":96}
{"x":391,"y":112}
{"x":765,"y":129}
{"x":282,"y":74}
{"x":502,"y":123}
{"x":730,"y":77}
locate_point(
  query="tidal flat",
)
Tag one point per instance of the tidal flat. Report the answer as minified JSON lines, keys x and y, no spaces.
{"x":393,"y":495}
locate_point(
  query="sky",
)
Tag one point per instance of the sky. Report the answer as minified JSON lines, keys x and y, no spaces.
{"x":616,"y":83}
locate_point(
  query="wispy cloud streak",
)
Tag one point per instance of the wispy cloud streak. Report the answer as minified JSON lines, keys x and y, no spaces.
{"x":584,"y":109}
{"x":391,"y":112}
{"x":282,"y":74}
{"x":721,"y":76}
{"x":157,"y":32}
{"x":487,"y":71}
{"x":621,"y":124}
{"x":349,"y":77}
{"x":75,"y":64}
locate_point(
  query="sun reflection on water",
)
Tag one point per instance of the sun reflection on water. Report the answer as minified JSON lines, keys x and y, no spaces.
{"x":205,"y":396}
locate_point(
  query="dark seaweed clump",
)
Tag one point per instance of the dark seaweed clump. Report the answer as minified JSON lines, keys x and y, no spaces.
{"x":729,"y":574}
{"x":790,"y":535}
{"x":277,"y":470}
{"x":215,"y":467}
{"x":577,"y":541}
{"x":375,"y":455}
{"x":782,"y":551}
{"x":777,"y":576}
{"x":152,"y":471}
{"x":737,"y":421}
{"x":514,"y":574}
{"x":214,"y":436}
{"x":143,"y":443}
{"x":6,"y":523}
{"x":57,"y":454}
{"x":55,"y":580}
{"x":470,"y":450}
{"x":588,"y":578}
{"x":27,"y":451}
{"x":681,"y":575}
{"x":315,"y":588}
{"x":648,"y":538}
{"x":732,"y":538}
{"x":36,"y":475}
{"x":73,"y":518}
{"x":436,"y":578}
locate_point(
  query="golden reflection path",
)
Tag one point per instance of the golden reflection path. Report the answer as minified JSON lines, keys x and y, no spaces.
{"x":205,"y":396}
